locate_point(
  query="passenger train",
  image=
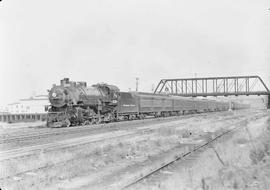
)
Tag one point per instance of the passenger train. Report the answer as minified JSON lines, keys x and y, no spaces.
{"x":75,"y":103}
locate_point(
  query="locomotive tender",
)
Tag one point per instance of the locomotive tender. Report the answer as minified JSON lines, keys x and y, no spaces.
{"x":75,"y":103}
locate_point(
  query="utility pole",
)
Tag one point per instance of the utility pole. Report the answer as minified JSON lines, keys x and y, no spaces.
{"x":153,"y":87}
{"x":137,"y":83}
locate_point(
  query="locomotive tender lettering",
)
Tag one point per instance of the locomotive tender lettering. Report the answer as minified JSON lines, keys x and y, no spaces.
{"x":128,"y":105}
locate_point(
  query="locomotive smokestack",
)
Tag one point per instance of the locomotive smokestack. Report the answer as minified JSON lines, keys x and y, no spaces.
{"x":64,"y":81}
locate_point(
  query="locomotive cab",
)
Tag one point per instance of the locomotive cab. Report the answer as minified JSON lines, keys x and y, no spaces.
{"x":109,"y":92}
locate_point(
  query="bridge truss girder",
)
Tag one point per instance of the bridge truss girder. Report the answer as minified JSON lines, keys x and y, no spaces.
{"x":213,"y":86}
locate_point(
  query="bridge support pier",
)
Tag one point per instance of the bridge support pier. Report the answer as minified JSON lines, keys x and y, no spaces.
{"x":268,"y":103}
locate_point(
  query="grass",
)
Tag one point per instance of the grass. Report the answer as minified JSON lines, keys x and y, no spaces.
{"x":257,"y":155}
{"x":253,"y":176}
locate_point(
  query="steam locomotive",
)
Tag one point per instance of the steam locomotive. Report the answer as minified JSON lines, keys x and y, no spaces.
{"x":75,"y":103}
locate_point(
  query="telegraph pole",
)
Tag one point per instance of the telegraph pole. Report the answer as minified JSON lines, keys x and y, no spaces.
{"x":137,"y":83}
{"x":153,"y":88}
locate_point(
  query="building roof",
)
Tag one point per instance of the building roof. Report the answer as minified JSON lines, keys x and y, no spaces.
{"x":45,"y":96}
{"x":14,"y":103}
{"x":38,"y":97}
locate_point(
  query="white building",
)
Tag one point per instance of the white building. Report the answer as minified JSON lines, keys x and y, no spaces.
{"x":34,"y":104}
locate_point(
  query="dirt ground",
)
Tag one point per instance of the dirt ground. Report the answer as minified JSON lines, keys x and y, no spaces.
{"x":113,"y":162}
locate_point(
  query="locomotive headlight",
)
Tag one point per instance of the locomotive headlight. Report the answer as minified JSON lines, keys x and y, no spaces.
{"x":57,"y":96}
{"x":54,"y":94}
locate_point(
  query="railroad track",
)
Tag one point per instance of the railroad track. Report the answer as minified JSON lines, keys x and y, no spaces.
{"x":25,"y":136}
{"x":175,"y":159}
{"x":178,"y":157}
{"x":40,"y":133}
{"x":80,"y":129}
{"x":28,"y":150}
{"x":97,"y":138}
{"x":63,"y":131}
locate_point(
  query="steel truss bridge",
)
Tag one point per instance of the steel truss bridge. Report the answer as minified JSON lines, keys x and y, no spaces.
{"x":213,"y":86}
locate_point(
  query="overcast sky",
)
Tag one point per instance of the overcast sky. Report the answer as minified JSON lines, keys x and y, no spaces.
{"x":114,"y":41}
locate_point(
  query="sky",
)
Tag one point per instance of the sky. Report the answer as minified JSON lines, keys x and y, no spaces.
{"x":115,"y":41}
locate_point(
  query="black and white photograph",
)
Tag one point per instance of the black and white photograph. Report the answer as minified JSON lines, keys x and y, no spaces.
{"x":135,"y":95}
